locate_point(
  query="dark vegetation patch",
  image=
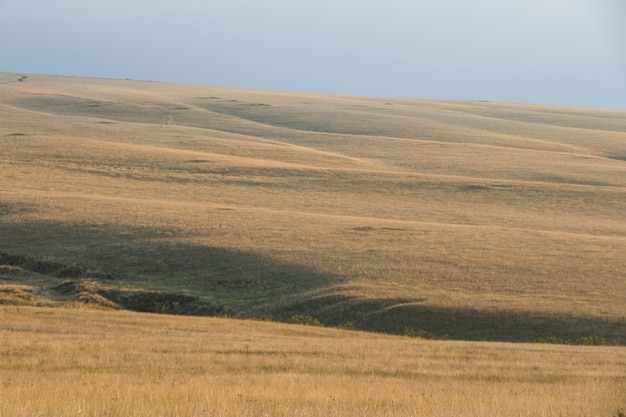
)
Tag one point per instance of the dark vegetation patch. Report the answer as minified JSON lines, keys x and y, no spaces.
{"x":371,"y":229}
{"x":256,"y":105}
{"x":164,"y":303}
{"x":557,"y":179}
{"x":89,"y":291}
{"x":474,"y":187}
{"x":583,"y":340}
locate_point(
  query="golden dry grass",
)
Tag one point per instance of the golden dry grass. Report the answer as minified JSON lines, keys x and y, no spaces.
{"x":82,"y":362}
{"x":480,"y":220}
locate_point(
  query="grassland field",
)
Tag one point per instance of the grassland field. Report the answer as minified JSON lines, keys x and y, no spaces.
{"x":482,"y":221}
{"x":478,"y":222}
{"x":85,"y":362}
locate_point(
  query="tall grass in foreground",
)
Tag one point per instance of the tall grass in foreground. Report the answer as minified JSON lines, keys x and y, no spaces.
{"x":79,"y":362}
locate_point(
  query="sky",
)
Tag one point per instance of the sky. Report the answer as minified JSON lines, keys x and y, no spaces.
{"x":561,"y":52}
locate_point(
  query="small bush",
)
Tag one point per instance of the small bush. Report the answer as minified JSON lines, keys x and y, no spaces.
{"x":581,"y":341}
{"x":263,"y":318}
{"x":423,"y":334}
{"x":348,"y":325}
{"x":591,"y":341}
{"x":167,"y":307}
{"x":306,"y":320}
{"x":553,"y":340}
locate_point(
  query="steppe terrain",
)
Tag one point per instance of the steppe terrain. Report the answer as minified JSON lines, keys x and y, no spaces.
{"x":477,"y":220}
{"x":483,"y":223}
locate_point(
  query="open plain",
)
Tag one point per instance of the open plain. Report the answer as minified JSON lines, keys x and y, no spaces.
{"x":472,"y":221}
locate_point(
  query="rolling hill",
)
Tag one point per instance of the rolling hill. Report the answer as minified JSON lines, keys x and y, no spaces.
{"x":475,"y":220}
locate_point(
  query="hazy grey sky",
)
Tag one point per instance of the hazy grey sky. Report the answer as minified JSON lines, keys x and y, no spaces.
{"x":568,"y":52}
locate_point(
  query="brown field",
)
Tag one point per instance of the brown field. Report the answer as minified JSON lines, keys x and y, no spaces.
{"x":465,"y":220}
{"x":478,"y":220}
{"x":77,"y":362}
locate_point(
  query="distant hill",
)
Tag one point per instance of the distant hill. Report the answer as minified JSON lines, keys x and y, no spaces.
{"x":460,"y":219}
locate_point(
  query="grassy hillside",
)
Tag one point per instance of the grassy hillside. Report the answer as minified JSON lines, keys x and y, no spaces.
{"x":85,"y":363}
{"x":483,"y":221}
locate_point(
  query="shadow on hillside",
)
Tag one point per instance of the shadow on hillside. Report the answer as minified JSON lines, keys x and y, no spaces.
{"x":400,"y":316}
{"x":231,"y":281}
{"x":142,"y":270}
